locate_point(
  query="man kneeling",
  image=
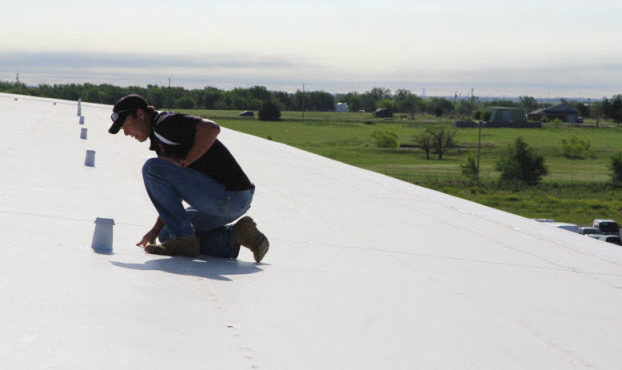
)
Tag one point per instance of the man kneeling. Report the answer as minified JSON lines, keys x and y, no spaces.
{"x":192,"y":165}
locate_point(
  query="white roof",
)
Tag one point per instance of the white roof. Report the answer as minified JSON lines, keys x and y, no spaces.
{"x":364,"y":271}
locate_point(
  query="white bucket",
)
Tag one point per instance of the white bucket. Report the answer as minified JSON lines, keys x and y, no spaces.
{"x":89,"y":161}
{"x":102,"y":237}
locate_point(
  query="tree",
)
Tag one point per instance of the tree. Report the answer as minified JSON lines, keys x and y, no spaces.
{"x":284,"y":99}
{"x":424,"y":140}
{"x":606,"y":107}
{"x":529,"y":103}
{"x":442,"y":140}
{"x":616,"y":168}
{"x":269,"y":111}
{"x":464,"y":108}
{"x":185,"y":103}
{"x":386,"y":104}
{"x":440,"y":106}
{"x":354,"y":101}
{"x":597,"y":111}
{"x":209,"y":97}
{"x":615,"y":111}
{"x":521,"y":163}
{"x":321,"y":101}
{"x":406,"y":102}
{"x":370,"y":98}
{"x":583,"y":109}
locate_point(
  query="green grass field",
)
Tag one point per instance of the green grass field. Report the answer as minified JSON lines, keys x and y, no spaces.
{"x":574,"y":191}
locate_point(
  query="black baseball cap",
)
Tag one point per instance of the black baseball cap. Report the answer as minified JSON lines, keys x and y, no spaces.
{"x":124,"y":106}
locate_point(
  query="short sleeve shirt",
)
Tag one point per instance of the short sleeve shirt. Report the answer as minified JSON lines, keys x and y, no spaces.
{"x":172,"y":135}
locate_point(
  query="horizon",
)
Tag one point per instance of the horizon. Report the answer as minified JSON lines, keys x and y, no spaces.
{"x":459,"y":96}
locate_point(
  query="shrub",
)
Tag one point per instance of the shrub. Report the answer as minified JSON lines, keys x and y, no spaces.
{"x":575,"y":147}
{"x":385,"y":139}
{"x":269,"y":111}
{"x":521,"y":163}
{"x":616,"y":168}
{"x":469,"y":168}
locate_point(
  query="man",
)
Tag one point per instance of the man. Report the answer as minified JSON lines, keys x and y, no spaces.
{"x":192,"y":165}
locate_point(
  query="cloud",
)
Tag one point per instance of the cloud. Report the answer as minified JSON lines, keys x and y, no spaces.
{"x":279,"y":73}
{"x":73,"y":60}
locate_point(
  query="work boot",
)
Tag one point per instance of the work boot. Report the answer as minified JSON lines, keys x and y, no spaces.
{"x":246,"y":234}
{"x":187,"y":246}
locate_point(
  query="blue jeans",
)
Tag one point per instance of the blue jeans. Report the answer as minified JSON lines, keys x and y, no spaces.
{"x":212,"y":206}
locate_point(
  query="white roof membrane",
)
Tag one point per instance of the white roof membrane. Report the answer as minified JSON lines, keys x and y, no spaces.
{"x":364,"y":271}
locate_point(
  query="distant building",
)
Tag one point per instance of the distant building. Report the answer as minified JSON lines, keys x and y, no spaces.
{"x":383,"y":112}
{"x":565,"y":112}
{"x":503,"y":115}
{"x":341,"y":107}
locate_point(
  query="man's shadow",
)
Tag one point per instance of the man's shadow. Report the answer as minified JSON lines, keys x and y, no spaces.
{"x":202,"y":266}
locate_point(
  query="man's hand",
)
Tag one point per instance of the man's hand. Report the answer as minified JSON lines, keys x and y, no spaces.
{"x":149,"y":238}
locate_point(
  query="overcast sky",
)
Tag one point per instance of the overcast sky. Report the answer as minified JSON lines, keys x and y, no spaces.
{"x":542,"y":48}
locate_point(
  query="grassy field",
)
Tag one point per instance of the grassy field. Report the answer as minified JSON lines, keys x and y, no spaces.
{"x":575,"y":191}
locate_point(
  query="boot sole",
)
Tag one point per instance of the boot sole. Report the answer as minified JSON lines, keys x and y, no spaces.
{"x":245,"y":226}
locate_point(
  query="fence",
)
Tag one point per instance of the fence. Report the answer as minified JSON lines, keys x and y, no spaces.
{"x":416,"y":174}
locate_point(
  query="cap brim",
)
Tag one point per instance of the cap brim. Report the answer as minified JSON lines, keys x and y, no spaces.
{"x":115,"y":127}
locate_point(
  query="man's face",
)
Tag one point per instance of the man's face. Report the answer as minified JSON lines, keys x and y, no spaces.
{"x":136,"y":126}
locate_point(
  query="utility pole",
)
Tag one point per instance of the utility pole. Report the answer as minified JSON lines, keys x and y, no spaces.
{"x":17,"y":83}
{"x":479,"y":145}
{"x":169,"y":94}
{"x":303,"y":101}
{"x":479,"y":136}
{"x":472,"y":102}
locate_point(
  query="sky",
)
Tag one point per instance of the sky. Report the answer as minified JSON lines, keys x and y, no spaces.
{"x":497,"y":48}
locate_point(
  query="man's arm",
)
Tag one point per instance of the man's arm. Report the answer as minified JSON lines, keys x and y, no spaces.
{"x":204,"y":137}
{"x":152,"y":234}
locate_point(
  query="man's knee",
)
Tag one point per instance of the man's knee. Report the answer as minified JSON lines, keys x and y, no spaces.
{"x":149,"y":166}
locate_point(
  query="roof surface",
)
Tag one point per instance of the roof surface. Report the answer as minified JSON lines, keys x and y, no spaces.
{"x":364,"y":271}
{"x":557,"y":108}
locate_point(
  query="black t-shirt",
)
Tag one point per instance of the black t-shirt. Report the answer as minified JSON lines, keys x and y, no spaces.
{"x":172,"y":135}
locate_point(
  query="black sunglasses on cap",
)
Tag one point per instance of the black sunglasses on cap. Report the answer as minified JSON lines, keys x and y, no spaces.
{"x":115,"y":115}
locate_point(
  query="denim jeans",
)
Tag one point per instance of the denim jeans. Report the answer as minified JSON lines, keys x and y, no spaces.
{"x":212,"y":206}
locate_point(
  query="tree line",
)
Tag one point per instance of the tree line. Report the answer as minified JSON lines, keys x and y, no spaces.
{"x":175,"y":97}
{"x":401,"y":101}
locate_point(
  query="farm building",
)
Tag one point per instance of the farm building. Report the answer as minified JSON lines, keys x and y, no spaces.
{"x":510,"y":117}
{"x":565,"y":112}
{"x":503,"y":115}
{"x":383,"y":112}
{"x":341,"y":107}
